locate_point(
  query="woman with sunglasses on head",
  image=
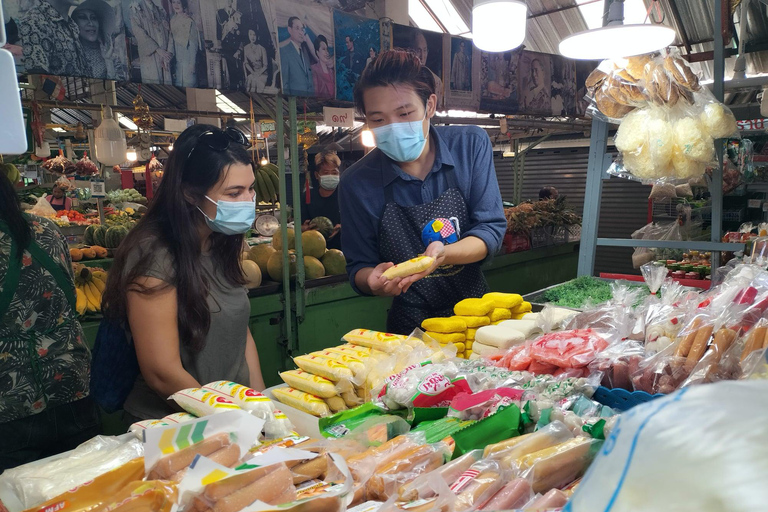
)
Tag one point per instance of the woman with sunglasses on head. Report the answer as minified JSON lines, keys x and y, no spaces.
{"x":418,"y":174}
{"x":177,"y":283}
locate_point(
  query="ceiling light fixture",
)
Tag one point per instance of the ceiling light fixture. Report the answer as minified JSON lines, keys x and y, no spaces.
{"x":498,"y":25}
{"x":264,"y":161}
{"x":367,"y":139}
{"x":131,"y":155}
{"x":170,"y":147}
{"x":616,"y":40}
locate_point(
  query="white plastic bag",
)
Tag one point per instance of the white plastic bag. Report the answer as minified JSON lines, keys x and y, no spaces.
{"x":701,"y":449}
{"x":42,"y":208}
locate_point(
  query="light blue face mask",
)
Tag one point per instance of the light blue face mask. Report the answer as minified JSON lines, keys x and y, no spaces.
{"x":232,"y":217}
{"x":402,"y":142}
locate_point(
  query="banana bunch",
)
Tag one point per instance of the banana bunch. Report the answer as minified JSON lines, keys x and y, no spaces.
{"x":267,"y":183}
{"x":89,"y":287}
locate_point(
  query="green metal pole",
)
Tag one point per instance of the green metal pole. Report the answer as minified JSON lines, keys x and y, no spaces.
{"x":296,"y":181}
{"x":288,"y":316}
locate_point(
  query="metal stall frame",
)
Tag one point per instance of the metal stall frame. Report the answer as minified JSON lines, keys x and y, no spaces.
{"x":599,"y":161}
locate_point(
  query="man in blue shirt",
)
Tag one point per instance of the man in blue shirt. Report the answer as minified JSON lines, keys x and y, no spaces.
{"x":417,"y":175}
{"x":295,"y":63}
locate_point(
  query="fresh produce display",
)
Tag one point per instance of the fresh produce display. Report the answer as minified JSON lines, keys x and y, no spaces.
{"x":319,"y":261}
{"x":579,"y":292}
{"x":89,"y":286}
{"x":117,"y":197}
{"x":268,"y":183}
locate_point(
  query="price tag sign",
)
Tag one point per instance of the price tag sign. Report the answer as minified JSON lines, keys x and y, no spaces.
{"x":97,"y":189}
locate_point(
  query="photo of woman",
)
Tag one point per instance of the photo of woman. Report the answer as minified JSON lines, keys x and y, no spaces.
{"x":322,"y":70}
{"x":95,"y":20}
{"x":185,"y":43}
{"x":255,"y":64}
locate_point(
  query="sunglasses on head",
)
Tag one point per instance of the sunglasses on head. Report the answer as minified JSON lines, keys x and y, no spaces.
{"x":219,"y":140}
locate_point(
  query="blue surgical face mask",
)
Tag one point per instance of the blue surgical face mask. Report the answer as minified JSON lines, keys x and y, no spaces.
{"x":232,"y":217}
{"x":402,"y":142}
{"x":329,"y":182}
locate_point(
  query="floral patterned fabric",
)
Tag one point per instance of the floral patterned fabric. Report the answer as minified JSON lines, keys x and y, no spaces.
{"x":44,"y":361}
{"x":51,"y":43}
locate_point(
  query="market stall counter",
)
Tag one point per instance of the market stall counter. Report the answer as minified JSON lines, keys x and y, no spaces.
{"x":332,"y":306}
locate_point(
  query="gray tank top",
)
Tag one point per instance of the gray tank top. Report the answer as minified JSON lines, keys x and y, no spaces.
{"x":222,"y":358}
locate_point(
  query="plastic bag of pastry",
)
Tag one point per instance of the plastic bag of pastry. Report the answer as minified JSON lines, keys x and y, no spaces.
{"x":420,"y":487}
{"x":559,"y":465}
{"x":266,"y":483}
{"x":246,"y":398}
{"x":552,"y":318}
{"x":369,"y":461}
{"x":95,"y":492}
{"x":224,"y":438}
{"x":509,"y":451}
{"x":201,"y":403}
{"x":618,"y":363}
{"x":707,"y":369}
{"x":477,"y":485}
{"x":138,"y":496}
{"x":388,"y":478}
{"x":38,"y":482}
{"x":665,"y":318}
{"x":663,"y":191}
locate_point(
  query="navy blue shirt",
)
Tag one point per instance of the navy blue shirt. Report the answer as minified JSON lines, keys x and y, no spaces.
{"x":465,"y":151}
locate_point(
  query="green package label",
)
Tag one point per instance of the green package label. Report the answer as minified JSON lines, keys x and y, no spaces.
{"x":505,"y":424}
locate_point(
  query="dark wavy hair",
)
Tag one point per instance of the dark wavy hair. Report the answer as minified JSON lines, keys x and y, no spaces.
{"x":173,"y":221}
{"x":395,"y":67}
{"x":10,"y":213}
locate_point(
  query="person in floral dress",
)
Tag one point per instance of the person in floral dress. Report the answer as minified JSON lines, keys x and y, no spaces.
{"x":44,"y":361}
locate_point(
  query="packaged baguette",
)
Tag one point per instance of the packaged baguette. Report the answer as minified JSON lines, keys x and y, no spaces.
{"x":324,"y":366}
{"x":199,"y":402}
{"x":244,"y":397}
{"x":310,"y":383}
{"x":384,"y":342}
{"x":302,"y":401}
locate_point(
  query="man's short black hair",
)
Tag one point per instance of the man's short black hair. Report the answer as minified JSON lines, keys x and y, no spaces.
{"x":547,"y":192}
{"x":291,"y":19}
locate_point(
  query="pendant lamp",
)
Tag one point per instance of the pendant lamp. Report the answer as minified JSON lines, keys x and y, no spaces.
{"x":498,"y":25}
{"x":109,"y":140}
{"x":616,"y":40}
